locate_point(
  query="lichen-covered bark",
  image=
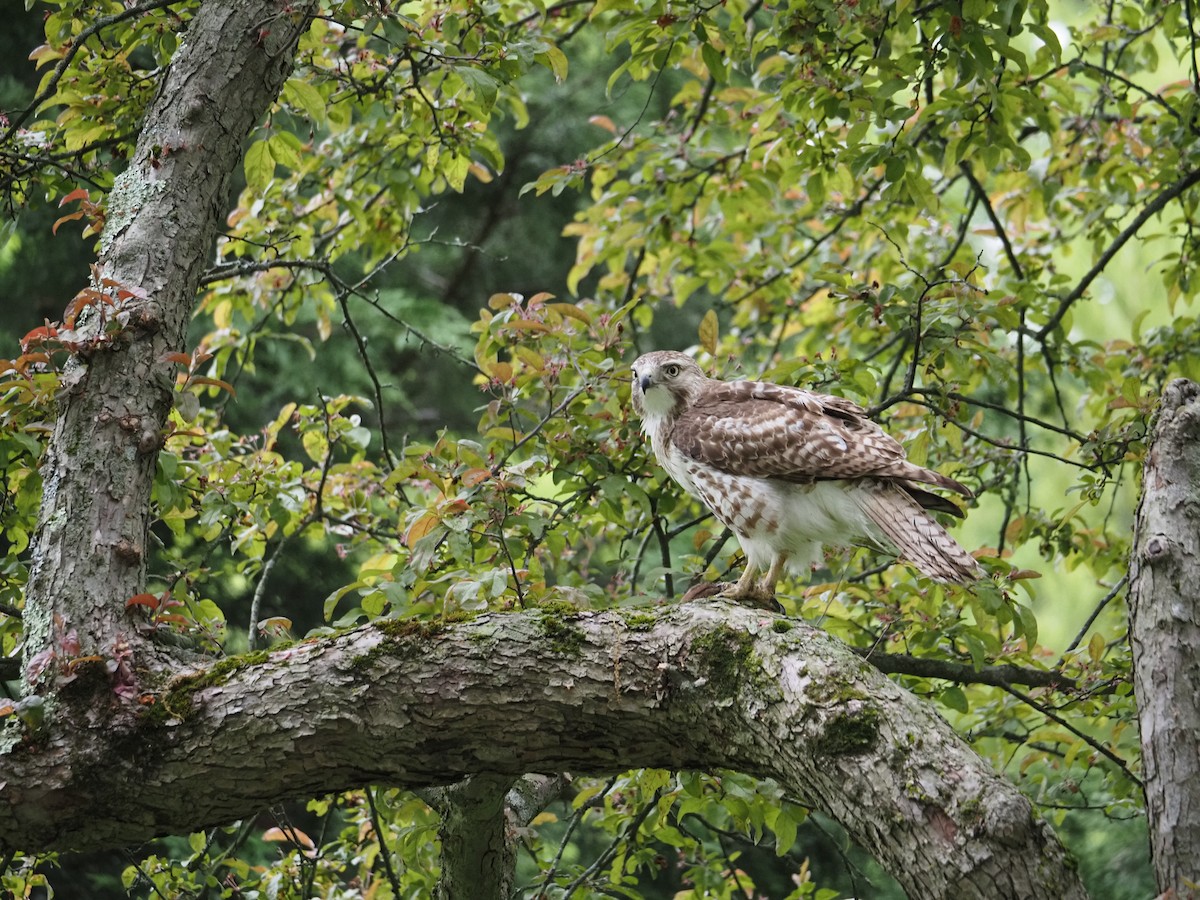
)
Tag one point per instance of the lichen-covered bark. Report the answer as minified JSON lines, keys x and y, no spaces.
{"x":704,"y":685}
{"x":1165,"y":633}
{"x":88,"y":555}
{"x":478,"y":857}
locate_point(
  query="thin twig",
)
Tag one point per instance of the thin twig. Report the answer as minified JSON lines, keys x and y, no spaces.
{"x":629,"y":833}
{"x":260,"y":589}
{"x":1108,"y":598}
{"x":1151,"y":209}
{"x":981,"y":194}
{"x":566,"y":838}
{"x":385,"y":855}
{"x":537,"y":429}
{"x":1087,"y":739}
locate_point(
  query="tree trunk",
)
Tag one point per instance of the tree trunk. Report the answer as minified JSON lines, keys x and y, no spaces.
{"x":481,"y":818}
{"x":1164,"y":614}
{"x":478,"y":858}
{"x":707,"y":685}
{"x":88,"y":555}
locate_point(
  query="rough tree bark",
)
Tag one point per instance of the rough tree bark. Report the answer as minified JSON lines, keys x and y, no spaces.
{"x":478,"y":858}
{"x":707,"y":685}
{"x":1164,"y":614}
{"x":162,"y":218}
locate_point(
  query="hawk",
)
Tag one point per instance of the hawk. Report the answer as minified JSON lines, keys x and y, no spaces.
{"x":788,"y":470}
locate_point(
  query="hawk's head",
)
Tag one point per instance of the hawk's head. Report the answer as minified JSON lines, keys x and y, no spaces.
{"x":664,"y":383}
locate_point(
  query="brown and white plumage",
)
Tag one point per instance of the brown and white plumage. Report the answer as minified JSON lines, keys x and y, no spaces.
{"x":788,"y":470}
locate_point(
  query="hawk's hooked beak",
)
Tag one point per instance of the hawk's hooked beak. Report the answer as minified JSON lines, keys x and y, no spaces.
{"x":645,"y":382}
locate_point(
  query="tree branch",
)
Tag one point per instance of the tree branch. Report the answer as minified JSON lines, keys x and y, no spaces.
{"x":1164,"y":631}
{"x":964,"y":673}
{"x":1153,"y":208}
{"x":114,"y":404}
{"x":702,"y":686}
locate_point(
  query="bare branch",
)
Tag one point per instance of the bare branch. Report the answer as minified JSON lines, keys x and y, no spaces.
{"x":964,"y":673}
{"x":1154,"y":207}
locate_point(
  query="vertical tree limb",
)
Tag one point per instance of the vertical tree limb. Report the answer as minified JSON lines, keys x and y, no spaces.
{"x":1165,"y":634}
{"x":481,"y":819}
{"x":89,"y":552}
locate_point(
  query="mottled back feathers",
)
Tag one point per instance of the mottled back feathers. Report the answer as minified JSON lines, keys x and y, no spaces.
{"x":773,"y":431}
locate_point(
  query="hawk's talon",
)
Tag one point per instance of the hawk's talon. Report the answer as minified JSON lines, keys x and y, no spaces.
{"x":725,"y":590}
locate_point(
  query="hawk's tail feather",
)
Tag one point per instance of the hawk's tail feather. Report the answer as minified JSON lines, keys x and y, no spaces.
{"x":917,"y":536}
{"x":912,"y":472}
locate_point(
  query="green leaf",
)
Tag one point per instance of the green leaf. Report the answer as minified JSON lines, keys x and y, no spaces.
{"x":1096,"y":647}
{"x":555,"y":60}
{"x":714,"y":62}
{"x":483,"y":84}
{"x":785,"y":827}
{"x":1027,"y":622}
{"x":298,"y":92}
{"x":285,"y":149}
{"x":708,"y":332}
{"x":259,"y":167}
{"x":955,"y":698}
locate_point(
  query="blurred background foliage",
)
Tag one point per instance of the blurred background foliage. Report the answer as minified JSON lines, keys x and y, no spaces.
{"x":407,"y":392}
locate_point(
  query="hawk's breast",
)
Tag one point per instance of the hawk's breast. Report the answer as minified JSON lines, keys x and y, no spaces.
{"x":772,"y":516}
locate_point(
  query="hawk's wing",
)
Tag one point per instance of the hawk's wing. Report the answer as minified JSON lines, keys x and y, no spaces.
{"x":773,"y":431}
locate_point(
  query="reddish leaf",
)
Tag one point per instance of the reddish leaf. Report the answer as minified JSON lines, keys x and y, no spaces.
{"x":134,"y":293}
{"x":215,"y":382}
{"x":71,"y":217}
{"x":38,"y":335}
{"x":147,"y":600}
{"x":77,"y":194}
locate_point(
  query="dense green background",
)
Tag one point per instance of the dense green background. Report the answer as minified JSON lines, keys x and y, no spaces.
{"x":809,"y":281}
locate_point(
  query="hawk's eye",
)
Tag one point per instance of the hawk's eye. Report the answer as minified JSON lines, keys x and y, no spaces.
{"x":671,"y":371}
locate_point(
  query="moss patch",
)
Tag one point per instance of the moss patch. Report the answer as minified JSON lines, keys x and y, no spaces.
{"x":723,"y":654}
{"x":424,"y":628}
{"x":176,"y":701}
{"x":404,"y":635}
{"x":833,"y":691}
{"x":563,"y":637}
{"x":849,"y":732}
{"x":635,"y":620}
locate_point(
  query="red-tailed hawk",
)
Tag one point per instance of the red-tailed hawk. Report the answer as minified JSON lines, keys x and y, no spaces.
{"x":788,"y":470}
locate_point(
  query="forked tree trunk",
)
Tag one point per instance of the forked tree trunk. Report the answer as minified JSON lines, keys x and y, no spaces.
{"x":1164,"y":614}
